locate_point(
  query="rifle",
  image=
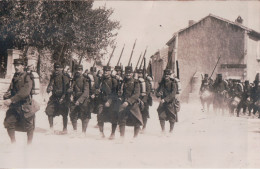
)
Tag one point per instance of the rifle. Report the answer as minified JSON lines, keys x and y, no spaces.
{"x":215,"y":66}
{"x":111,"y":55}
{"x":138,"y":62}
{"x":178,"y":70}
{"x":143,"y":58}
{"x":144,"y":68}
{"x":149,"y":69}
{"x":120,"y":55}
{"x":131,"y":54}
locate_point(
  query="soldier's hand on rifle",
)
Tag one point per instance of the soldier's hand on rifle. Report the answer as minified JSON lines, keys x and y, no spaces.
{"x":125,"y":104}
{"x":7,"y":102}
{"x":107,"y":104}
{"x":60,"y":101}
{"x":92,"y":96}
{"x":77,"y":103}
{"x":162,"y":101}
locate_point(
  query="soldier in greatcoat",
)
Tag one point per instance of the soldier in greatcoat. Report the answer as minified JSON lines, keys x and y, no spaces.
{"x":220,"y":91}
{"x":107,"y":101}
{"x":145,"y":90}
{"x":167,"y":91}
{"x":129,"y":112}
{"x":80,"y":100}
{"x":58,"y":103}
{"x":20,"y":115}
{"x":256,"y":95}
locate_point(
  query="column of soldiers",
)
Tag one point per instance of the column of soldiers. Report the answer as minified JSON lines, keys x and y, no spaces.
{"x":231,"y":95}
{"x":117,"y":98}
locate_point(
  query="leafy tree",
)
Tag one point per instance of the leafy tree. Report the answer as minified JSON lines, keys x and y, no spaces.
{"x":62,"y":27}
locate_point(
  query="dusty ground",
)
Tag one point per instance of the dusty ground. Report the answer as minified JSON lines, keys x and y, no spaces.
{"x":199,"y":140}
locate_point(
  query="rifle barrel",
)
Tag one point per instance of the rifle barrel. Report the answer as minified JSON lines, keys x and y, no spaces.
{"x":143,"y":58}
{"x":138,"y":61}
{"x":215,"y":66}
{"x":111,"y":55}
{"x":131,"y":54}
{"x":120,"y":55}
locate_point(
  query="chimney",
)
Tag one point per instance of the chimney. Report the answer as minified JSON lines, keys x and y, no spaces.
{"x":239,"y":20}
{"x":191,"y":22}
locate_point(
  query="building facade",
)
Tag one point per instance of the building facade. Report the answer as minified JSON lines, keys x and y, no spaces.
{"x":198,"y":47}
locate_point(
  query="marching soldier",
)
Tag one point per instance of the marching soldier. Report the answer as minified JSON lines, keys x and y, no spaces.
{"x":256,"y":95}
{"x":220,"y":89}
{"x":58,"y":102}
{"x":235,"y":96}
{"x":20,"y":115}
{"x":129,"y":112}
{"x":245,"y":98}
{"x":107,"y":98}
{"x":143,"y":99}
{"x":80,"y":100}
{"x":167,"y":91}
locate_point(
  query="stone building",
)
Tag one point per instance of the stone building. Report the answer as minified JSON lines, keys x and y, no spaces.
{"x":198,"y":47}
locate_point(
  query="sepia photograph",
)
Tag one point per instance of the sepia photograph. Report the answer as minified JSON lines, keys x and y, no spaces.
{"x":129,"y":84}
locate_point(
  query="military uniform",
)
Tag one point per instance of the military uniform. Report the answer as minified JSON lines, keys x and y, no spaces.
{"x":220,"y":89}
{"x":58,"y":103}
{"x":144,"y":98}
{"x":167,"y":91}
{"x":245,"y":98}
{"x":256,"y":95}
{"x":19,"y":116}
{"x":129,"y":112}
{"x":107,"y":102}
{"x":235,"y":93}
{"x":80,"y":102}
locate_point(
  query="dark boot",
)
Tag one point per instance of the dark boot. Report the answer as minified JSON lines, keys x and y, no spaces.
{"x":136,"y":131}
{"x":84,"y":125}
{"x":112,"y":136}
{"x":145,"y":122}
{"x":171,"y":126}
{"x":11,"y":133}
{"x":162,"y":122}
{"x":29,"y":137}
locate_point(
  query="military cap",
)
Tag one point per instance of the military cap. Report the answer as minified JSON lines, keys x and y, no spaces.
{"x":247,"y":82}
{"x":206,"y":75}
{"x":57,"y":65}
{"x":79,"y":67}
{"x":128,"y":69}
{"x":93,"y":69}
{"x":219,"y":75}
{"x":139,"y":71}
{"x":19,"y":62}
{"x":106,"y":68}
{"x":167,"y":71}
{"x":118,"y":68}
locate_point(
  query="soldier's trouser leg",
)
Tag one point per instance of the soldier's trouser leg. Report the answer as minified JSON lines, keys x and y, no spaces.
{"x":74,"y":118}
{"x":122,"y":130}
{"x":85,"y":125}
{"x":65,"y":122}
{"x":136,"y":130}
{"x":171,"y":126}
{"x":30,"y":125}
{"x":113,"y":128}
{"x":144,"y":122}
{"x":9,"y":124}
{"x":50,"y":118}
{"x":162,"y":123}
{"x":101,"y":126}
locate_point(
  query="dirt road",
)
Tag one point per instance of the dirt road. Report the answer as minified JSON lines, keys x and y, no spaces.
{"x":199,"y":140}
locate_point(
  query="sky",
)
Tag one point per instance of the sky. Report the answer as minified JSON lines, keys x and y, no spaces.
{"x":153,"y":23}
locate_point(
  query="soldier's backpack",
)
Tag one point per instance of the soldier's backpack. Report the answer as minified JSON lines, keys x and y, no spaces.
{"x":143,"y":86}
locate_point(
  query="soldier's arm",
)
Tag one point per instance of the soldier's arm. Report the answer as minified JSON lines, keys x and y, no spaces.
{"x":50,"y":85}
{"x":136,"y":93}
{"x":24,"y":92}
{"x":85,"y":93}
{"x":172,"y":94}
